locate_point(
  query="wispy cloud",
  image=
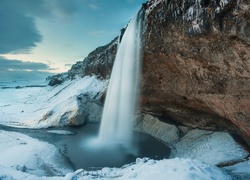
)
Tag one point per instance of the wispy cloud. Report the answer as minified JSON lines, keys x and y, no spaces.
{"x":22,"y":65}
{"x":17,"y":69}
{"x":17,"y":30}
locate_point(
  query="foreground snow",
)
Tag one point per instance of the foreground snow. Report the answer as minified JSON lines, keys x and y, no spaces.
{"x":210,"y":147}
{"x":26,"y":155}
{"x":22,"y":157}
{"x":41,"y":107}
{"x":182,"y":169}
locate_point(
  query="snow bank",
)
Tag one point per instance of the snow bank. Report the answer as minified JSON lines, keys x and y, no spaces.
{"x":209,"y":147}
{"x":22,"y":157}
{"x":62,"y":132}
{"x":240,"y":170}
{"x":145,"y":168}
{"x":12,"y":174}
{"x":41,"y":107}
{"x":21,"y":153}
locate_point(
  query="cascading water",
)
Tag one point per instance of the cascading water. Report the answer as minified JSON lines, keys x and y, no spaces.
{"x":122,"y":94}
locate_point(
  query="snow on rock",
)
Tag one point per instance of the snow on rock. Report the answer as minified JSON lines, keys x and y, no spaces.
{"x":145,"y":168}
{"x":151,"y":5}
{"x":240,"y":170}
{"x":41,"y":107}
{"x":21,"y":153}
{"x":151,"y":125}
{"x":62,"y":132}
{"x":209,"y":147}
{"x":13,"y":174}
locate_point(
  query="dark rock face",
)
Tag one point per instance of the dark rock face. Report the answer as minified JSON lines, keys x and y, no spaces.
{"x":56,"y":79}
{"x":196,"y":63}
{"x":99,"y":62}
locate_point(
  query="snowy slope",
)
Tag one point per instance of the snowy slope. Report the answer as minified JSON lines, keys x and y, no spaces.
{"x":40,"y":107}
{"x":19,"y":152}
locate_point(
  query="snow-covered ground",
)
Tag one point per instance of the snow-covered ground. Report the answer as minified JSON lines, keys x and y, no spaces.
{"x":41,"y":107}
{"x":145,"y":168}
{"x":210,"y":147}
{"x":22,"y":157}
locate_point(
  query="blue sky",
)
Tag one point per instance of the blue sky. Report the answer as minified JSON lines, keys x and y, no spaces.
{"x":38,"y":37}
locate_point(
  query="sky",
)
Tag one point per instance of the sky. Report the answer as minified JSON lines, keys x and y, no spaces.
{"x":40,"y":37}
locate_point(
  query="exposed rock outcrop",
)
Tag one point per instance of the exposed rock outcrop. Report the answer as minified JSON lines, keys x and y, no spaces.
{"x":91,"y":108}
{"x":196,"y":63}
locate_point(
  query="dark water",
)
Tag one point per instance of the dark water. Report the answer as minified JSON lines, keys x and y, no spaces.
{"x":83,"y":152}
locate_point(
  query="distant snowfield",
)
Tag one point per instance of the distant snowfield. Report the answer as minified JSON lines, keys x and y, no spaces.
{"x":28,"y":107}
{"x":23,"y":157}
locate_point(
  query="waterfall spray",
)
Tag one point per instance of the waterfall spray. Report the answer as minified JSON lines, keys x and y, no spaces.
{"x":122,"y":93}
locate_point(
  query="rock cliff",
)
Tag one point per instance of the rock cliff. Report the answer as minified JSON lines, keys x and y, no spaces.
{"x":196,"y":63}
{"x":99,"y":62}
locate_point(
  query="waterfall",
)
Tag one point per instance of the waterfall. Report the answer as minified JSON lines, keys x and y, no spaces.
{"x":122,"y":93}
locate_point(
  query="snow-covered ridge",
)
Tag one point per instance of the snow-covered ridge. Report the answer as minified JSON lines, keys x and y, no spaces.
{"x":41,"y":107}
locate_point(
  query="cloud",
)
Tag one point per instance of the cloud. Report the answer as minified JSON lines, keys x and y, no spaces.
{"x":17,"y":69}
{"x":22,"y":65}
{"x":17,"y":30}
